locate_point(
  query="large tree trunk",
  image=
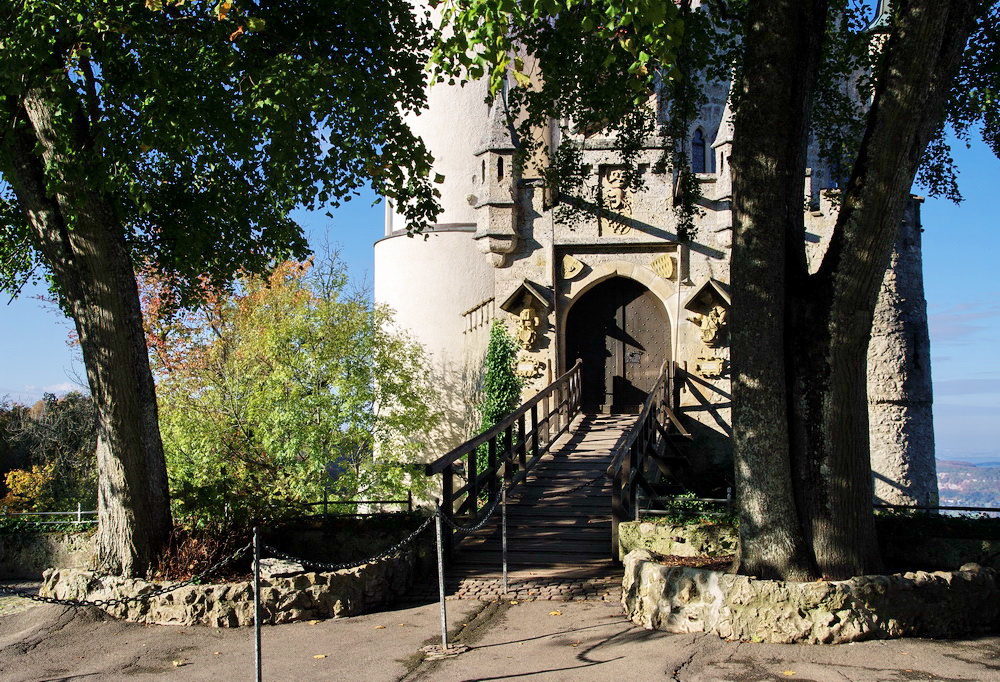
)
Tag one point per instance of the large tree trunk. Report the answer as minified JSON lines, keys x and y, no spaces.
{"x":782,"y":51}
{"x":83,"y":243}
{"x":920,"y":60}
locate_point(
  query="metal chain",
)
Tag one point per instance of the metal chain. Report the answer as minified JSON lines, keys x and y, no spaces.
{"x":128,"y":600}
{"x":479,"y":524}
{"x":277,"y":553}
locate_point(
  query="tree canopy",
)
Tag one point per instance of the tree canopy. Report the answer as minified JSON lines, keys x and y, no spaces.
{"x":205,"y":123}
{"x":290,"y":388}
{"x":178,"y":135}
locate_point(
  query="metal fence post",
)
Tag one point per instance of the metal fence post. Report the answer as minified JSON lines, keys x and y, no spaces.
{"x":256,"y":600}
{"x":79,"y":513}
{"x":440,"y":553}
{"x":503,"y":534}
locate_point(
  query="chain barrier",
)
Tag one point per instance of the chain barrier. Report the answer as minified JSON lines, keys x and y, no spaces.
{"x":75,"y":603}
{"x":479,"y":524}
{"x":278,"y":554}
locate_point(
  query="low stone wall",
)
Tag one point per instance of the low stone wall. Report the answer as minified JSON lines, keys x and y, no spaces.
{"x":689,"y":539}
{"x":736,"y":607}
{"x":27,"y":555}
{"x":284,"y":598}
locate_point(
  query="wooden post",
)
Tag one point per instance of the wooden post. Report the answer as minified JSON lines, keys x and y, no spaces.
{"x":617,"y":513}
{"x":472,"y":470}
{"x":494,"y":467}
{"x":522,"y":445}
{"x":447,"y":503}
{"x":534,"y":431}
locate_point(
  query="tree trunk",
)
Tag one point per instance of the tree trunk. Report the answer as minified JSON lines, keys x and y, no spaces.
{"x":782,"y":50}
{"x":919,"y":62}
{"x":82,"y":241}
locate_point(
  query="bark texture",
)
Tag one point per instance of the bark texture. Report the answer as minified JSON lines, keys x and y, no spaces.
{"x":769,"y":154}
{"x":800,"y":411}
{"x":920,"y":60}
{"x":82,"y":241}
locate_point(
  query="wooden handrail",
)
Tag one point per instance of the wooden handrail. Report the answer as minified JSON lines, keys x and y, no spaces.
{"x":618,"y":454}
{"x":438,"y":465}
{"x":512,"y":448}
{"x":648,"y":436}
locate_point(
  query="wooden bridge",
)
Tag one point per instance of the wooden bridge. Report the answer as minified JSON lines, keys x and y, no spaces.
{"x":570,"y":479}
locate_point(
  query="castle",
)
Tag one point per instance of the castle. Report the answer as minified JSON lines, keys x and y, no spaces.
{"x":619,"y":289}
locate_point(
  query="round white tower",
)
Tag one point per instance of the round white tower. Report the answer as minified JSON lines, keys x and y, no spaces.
{"x":439,"y":283}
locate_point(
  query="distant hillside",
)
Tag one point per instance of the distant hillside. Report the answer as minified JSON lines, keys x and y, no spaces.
{"x":964,"y":484}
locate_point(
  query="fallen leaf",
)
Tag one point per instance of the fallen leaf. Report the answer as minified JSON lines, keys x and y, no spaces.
{"x":513,"y":601}
{"x":313,"y":622}
{"x":178,"y":664}
{"x":788,"y":673}
{"x":320,"y":656}
{"x":380,"y":627}
{"x":216,"y":653}
{"x":555,"y":613}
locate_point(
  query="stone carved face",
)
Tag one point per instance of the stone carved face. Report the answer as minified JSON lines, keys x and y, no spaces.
{"x":616,"y":200}
{"x":527,"y":327}
{"x":711,"y":325}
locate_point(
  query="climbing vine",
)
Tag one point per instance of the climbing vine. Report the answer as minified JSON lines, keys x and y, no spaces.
{"x":501,"y":388}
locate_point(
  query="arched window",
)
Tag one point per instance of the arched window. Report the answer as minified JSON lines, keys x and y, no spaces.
{"x":698,"y":152}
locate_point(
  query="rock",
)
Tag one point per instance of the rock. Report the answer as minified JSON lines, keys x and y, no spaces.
{"x":288,"y":594}
{"x":682,"y":600}
{"x":275,"y":568}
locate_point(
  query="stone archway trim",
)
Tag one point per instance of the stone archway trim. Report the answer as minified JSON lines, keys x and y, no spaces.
{"x":640,"y":273}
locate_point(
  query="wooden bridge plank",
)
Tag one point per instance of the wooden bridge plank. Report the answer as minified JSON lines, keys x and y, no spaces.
{"x":555,"y":529}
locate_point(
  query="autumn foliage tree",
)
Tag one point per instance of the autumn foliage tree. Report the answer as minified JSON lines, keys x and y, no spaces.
{"x":285,"y":387}
{"x":183,"y":133}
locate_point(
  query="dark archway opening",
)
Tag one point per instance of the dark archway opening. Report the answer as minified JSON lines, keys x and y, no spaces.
{"x":621,"y":331}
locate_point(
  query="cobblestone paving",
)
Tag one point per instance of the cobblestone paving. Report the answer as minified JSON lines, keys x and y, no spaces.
{"x":520,"y":589}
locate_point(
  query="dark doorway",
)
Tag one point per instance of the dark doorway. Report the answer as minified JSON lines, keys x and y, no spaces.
{"x":621,"y":331}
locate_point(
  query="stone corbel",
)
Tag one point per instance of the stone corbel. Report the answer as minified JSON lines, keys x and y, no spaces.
{"x":497,"y":247}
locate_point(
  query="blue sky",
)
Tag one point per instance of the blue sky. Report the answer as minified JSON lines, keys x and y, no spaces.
{"x":961,"y":268}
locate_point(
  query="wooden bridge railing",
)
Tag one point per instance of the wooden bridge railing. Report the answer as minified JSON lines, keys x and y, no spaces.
{"x":649,"y":437}
{"x":512,"y":448}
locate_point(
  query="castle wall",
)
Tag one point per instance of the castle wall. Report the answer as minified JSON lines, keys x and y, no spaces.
{"x":430,"y":282}
{"x":900,"y":393}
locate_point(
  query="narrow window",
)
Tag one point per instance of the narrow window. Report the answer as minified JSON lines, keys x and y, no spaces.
{"x":499,"y":168}
{"x":698,"y":152}
{"x":483,"y":176}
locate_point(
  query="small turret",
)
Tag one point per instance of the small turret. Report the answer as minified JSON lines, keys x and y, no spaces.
{"x":496,"y":197}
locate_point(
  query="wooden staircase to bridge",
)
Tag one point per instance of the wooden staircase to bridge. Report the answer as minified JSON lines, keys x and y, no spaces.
{"x":570,"y":478}
{"x":555,"y":527}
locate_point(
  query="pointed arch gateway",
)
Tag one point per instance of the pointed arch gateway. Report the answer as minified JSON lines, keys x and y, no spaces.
{"x":621,"y":331}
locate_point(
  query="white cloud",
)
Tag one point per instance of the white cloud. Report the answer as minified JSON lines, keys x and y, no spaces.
{"x":63,"y":387}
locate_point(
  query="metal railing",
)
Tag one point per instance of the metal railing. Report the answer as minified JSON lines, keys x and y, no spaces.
{"x":74,"y":516}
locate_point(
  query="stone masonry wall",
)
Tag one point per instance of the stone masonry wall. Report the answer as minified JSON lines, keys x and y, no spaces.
{"x":26,"y":555}
{"x":737,"y":607}
{"x":900,"y":393}
{"x":285,"y":599}
{"x":689,"y":539}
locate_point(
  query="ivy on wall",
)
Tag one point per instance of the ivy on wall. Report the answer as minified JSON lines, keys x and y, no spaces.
{"x":501,"y":386}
